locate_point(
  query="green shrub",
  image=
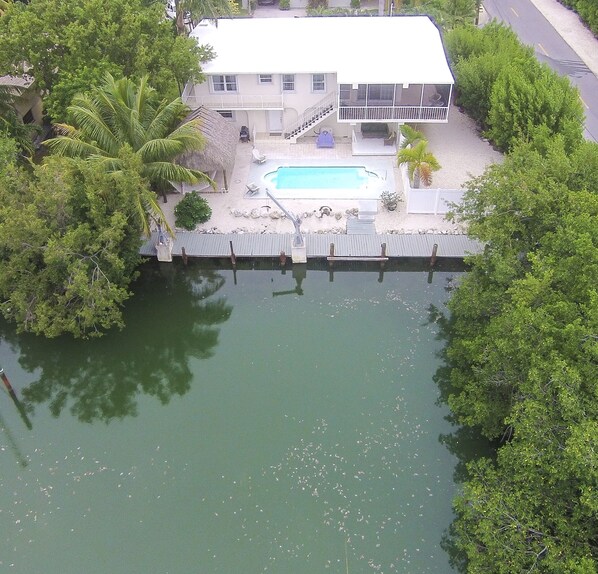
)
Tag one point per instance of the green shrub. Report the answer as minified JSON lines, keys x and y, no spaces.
{"x":526,"y":97}
{"x":284,"y":4}
{"x":356,"y":4}
{"x":191,"y":210}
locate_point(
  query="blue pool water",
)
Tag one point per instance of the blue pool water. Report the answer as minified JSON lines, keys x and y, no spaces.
{"x":321,"y":177}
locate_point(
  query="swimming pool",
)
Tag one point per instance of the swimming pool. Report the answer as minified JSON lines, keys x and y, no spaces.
{"x":322,"y":178}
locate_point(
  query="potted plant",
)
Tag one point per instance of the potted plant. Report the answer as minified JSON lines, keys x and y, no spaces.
{"x":390,"y":200}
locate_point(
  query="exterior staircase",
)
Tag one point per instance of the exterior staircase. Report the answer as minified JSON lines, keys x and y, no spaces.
{"x":311,"y":117}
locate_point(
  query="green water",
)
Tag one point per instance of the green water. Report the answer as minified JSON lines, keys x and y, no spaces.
{"x":235,"y":426}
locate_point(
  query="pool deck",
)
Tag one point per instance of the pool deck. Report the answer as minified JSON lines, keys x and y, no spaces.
{"x":257,"y":228}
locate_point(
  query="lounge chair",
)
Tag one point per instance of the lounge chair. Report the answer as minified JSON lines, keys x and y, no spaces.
{"x":325,"y":139}
{"x":252,"y":189}
{"x":257,"y":156}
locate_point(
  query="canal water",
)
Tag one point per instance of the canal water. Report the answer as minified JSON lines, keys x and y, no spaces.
{"x":246,"y":422}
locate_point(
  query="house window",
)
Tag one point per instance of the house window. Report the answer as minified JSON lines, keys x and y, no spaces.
{"x":224,"y":83}
{"x":265,"y":78}
{"x":288,"y":83}
{"x":228,"y":114}
{"x":318,"y":83}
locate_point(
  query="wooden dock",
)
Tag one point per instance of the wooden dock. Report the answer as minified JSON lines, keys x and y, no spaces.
{"x":266,"y":245}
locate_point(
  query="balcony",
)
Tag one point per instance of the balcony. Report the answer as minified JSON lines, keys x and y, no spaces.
{"x":393,"y":113}
{"x":233,"y":101}
{"x":394,"y":102}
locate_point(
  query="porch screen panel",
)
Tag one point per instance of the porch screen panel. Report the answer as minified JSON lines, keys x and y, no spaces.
{"x":345,"y":94}
{"x":380,"y":94}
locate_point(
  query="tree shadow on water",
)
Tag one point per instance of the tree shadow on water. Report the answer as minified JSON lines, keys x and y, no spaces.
{"x":170,"y":320}
{"x":464,"y":443}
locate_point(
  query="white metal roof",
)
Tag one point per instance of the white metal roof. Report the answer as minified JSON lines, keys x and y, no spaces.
{"x":384,"y":50}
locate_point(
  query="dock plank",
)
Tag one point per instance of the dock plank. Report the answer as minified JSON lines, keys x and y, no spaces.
{"x":217,"y":245}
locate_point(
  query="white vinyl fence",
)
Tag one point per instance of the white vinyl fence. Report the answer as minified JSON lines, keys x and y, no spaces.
{"x":428,"y":200}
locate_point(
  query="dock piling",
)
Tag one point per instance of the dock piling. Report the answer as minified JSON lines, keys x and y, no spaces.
{"x":233,"y":257}
{"x":433,"y":257}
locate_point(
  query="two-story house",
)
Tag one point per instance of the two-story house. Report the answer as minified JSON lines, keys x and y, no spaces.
{"x":289,"y":77}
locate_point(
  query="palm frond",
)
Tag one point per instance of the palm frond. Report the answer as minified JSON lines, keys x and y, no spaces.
{"x":410,"y":136}
{"x":168,"y":115}
{"x":189,"y":134}
{"x":109,"y":164}
{"x":425,"y":174}
{"x":72,"y":147}
{"x":161,"y":150}
{"x":92,"y":125}
{"x":165,"y":171}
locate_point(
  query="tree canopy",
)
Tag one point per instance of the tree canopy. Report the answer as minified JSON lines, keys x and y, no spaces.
{"x":507,"y":91}
{"x":523,"y":363}
{"x":69,"y":244}
{"x":69,"y":46}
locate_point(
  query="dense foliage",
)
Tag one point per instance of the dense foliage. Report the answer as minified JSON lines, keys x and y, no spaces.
{"x":447,"y":13}
{"x":69,"y":243}
{"x":69,"y":46}
{"x":507,"y":91}
{"x":121,"y":115}
{"x":587,"y":9}
{"x":11,"y":123}
{"x":523,"y":358}
{"x":191,"y":210}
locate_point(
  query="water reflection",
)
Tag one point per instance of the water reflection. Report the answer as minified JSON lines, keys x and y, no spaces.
{"x":309,"y":445}
{"x":299,"y":274}
{"x":465,"y":443}
{"x":101,"y":379}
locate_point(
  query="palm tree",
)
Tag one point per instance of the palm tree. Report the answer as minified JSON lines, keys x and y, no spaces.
{"x":199,"y":10}
{"x":410,"y":136}
{"x":420,"y":163}
{"x":121,"y":114}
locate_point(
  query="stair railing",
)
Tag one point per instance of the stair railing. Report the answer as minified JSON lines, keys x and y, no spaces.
{"x":308,"y":118}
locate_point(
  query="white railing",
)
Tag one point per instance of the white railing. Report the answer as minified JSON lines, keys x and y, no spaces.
{"x":186,"y":91}
{"x":234,"y":101}
{"x":328,"y":103}
{"x":426,"y":200}
{"x":393,"y":113}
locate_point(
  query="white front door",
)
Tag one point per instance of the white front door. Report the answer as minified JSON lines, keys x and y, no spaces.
{"x":275,"y":122}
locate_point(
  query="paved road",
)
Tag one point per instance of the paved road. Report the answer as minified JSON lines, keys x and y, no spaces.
{"x":534,"y":29}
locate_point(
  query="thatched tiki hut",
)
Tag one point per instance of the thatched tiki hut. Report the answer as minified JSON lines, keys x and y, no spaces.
{"x":221,"y":142}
